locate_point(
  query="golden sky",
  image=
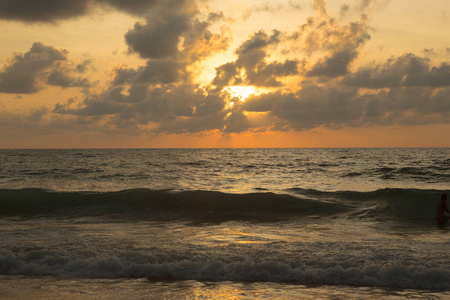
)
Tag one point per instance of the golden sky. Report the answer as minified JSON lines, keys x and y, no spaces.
{"x":210,"y":73}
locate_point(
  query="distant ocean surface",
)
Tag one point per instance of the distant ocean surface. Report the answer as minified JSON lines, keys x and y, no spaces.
{"x":223,"y":223}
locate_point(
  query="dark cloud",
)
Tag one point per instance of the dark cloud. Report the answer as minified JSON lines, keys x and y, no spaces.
{"x":236,"y":121}
{"x":155,"y":71}
{"x":316,"y":106}
{"x":252,"y":63}
{"x":259,"y":40}
{"x":436,"y":77}
{"x":50,"y":11}
{"x":407,"y":70}
{"x":267,"y":74}
{"x":22,"y":74}
{"x":172,"y":42}
{"x":189,"y":109}
{"x":135,"y":7}
{"x":227,"y":74}
{"x":63,"y":79}
{"x":311,"y":107}
{"x":333,"y":66}
{"x":165,"y":71}
{"x":178,"y":36}
{"x":174,"y":109}
{"x":42,"y":10}
{"x":95,"y":105}
{"x":28,"y":73}
{"x":81,"y":67}
{"x":157,"y":38}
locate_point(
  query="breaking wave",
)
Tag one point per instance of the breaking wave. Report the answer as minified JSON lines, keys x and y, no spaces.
{"x":141,"y":265}
{"x":405,"y":204}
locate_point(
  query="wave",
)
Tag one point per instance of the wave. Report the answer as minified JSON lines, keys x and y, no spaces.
{"x":398,"y":204}
{"x":403,"y":204}
{"x":159,"y":204}
{"x":430,"y":173}
{"x":135,"y":264}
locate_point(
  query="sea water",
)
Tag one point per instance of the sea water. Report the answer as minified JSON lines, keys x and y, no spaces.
{"x":223,"y":223}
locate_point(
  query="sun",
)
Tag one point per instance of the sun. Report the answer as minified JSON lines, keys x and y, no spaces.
{"x":241,"y":92}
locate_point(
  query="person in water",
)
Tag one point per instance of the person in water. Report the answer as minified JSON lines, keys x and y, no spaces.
{"x":441,"y":218}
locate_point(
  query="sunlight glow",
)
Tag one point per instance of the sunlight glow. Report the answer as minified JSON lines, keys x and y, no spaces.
{"x":241,"y":92}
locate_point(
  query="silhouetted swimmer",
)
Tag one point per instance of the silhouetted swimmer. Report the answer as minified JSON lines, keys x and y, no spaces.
{"x":441,"y":218}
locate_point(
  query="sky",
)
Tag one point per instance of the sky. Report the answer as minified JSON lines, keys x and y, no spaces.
{"x":229,"y":73}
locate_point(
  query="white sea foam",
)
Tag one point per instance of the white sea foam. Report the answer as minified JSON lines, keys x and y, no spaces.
{"x":392,"y":274}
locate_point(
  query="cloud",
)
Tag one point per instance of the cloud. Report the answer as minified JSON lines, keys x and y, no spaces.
{"x":173,"y":108}
{"x":172,"y":30}
{"x":63,"y":79}
{"x":324,"y":33}
{"x":157,"y":38}
{"x":259,"y":40}
{"x":41,"y":65}
{"x":236,"y":121}
{"x":227,"y":74}
{"x":364,"y":5}
{"x":177,"y":36}
{"x":158,"y":96}
{"x":51,"y":11}
{"x":42,"y":121}
{"x":29,"y":121}
{"x":22,"y":74}
{"x":407,"y":70}
{"x":173,"y":42}
{"x":134,"y":7}
{"x":311,"y":107}
{"x":436,"y":77}
{"x":344,"y":9}
{"x":321,"y":89}
{"x":94,"y":105}
{"x":332,"y":107}
{"x":333,"y":46}
{"x":82,"y":67}
{"x":341,"y":43}
{"x":405,"y":91}
{"x":42,"y":10}
{"x":151,"y":7}
{"x":252,"y":67}
{"x":199,"y":42}
{"x":320,"y":6}
{"x":335,"y":65}
{"x":155,"y":71}
{"x":270,"y":8}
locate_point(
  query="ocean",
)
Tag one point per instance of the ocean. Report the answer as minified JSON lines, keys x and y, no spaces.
{"x":223,"y":223}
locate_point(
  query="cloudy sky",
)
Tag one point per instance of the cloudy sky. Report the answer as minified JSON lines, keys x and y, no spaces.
{"x":210,"y":73}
